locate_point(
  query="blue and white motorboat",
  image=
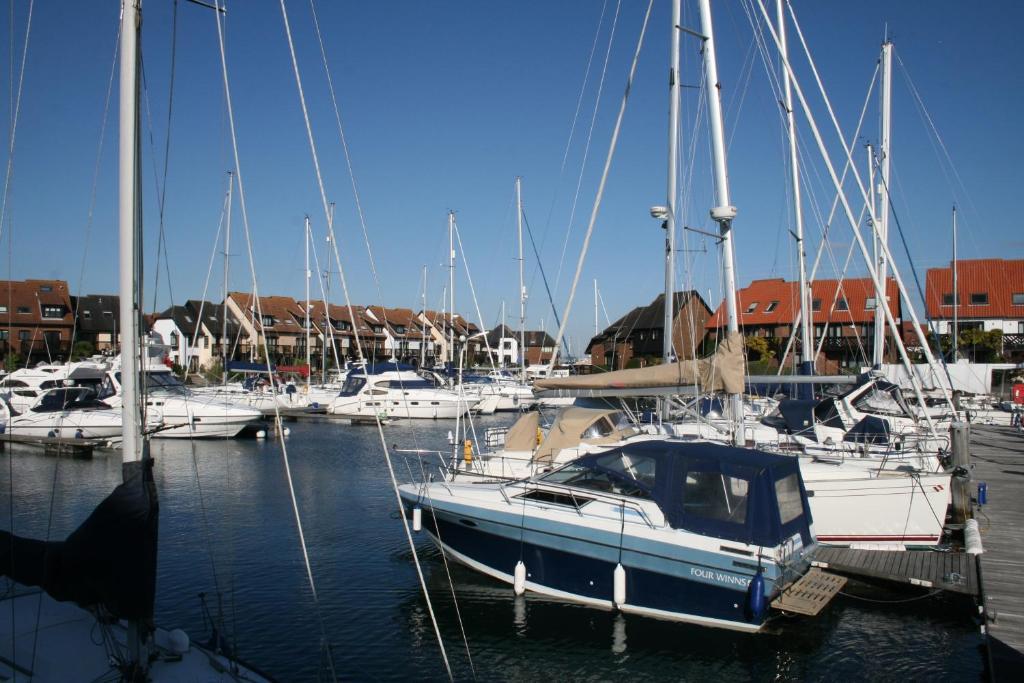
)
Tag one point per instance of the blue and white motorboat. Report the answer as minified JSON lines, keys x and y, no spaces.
{"x":695,"y":532}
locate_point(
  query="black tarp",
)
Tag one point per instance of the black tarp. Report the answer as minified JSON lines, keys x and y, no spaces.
{"x":109,"y":561}
{"x":870,"y":430}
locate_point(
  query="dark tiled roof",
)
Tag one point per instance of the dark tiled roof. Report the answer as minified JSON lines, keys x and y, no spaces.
{"x":98,"y":312}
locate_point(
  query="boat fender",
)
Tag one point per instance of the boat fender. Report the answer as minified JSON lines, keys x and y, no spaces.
{"x":467,"y":451}
{"x":451,"y":438}
{"x":51,"y":434}
{"x":519,"y":578}
{"x":972,"y":537}
{"x":540,"y":436}
{"x":79,"y":434}
{"x":178,"y":641}
{"x":287,"y":431}
{"x":417,"y":518}
{"x":261,"y":434}
{"x":755,"y":597}
{"x":982,"y":493}
{"x":619,"y":586}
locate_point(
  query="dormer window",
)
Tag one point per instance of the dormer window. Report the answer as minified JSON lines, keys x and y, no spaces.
{"x":87,"y":315}
{"x":188,"y":319}
{"x":24,"y":310}
{"x":378,"y":329}
{"x":752,"y":307}
{"x":771,"y":306}
{"x":267,"y":320}
{"x":979,"y":299}
{"x":50,"y":311}
{"x":841,"y":304}
{"x":45,"y":288}
{"x":400,"y":329}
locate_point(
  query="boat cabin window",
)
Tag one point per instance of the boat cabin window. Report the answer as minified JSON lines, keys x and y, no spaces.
{"x":881,"y":400}
{"x":13,"y":383}
{"x":407,"y":384}
{"x":714,"y":495}
{"x":556,"y":498}
{"x":787,"y":491}
{"x":352,"y":385}
{"x":601,"y":427}
{"x":163,"y":383}
{"x":66,"y":399}
{"x":617,"y":473}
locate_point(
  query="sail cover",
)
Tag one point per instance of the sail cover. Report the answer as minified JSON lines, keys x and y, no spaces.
{"x":721,"y":372}
{"x":108,"y":562}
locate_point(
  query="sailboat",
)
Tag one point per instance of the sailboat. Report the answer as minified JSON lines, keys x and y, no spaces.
{"x":82,"y":608}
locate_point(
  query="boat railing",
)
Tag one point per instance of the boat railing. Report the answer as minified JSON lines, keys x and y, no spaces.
{"x":616,"y":501}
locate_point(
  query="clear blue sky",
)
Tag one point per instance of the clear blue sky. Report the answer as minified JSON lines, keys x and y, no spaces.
{"x":444,"y":103}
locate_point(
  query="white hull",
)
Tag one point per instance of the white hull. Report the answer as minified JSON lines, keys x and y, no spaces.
{"x":410,"y":409}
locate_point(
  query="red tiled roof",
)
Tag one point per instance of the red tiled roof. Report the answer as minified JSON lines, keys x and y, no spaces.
{"x":998,"y":278}
{"x":21,"y":302}
{"x":287,"y":313}
{"x":756,"y":298}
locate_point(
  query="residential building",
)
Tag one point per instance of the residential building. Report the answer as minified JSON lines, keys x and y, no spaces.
{"x":640,"y":333}
{"x":989,"y":296}
{"x":444,"y":326}
{"x":842,"y":312}
{"x":195,"y":333}
{"x":277,"y":324}
{"x":36,"y":320}
{"x":97,"y":321}
{"x":504,"y":344}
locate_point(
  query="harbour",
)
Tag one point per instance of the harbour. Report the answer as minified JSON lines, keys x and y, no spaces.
{"x":370,"y":599}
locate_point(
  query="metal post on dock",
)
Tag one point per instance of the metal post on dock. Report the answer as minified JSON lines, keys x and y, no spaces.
{"x":959,"y":439}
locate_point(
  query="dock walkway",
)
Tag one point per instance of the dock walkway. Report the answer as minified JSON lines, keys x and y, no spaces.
{"x":951,"y":571}
{"x":997,"y":454}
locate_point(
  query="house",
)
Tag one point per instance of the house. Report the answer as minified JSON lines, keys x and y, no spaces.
{"x":97,"y":319}
{"x":639,"y":333}
{"x":338,"y":330}
{"x":195,"y":333}
{"x":444,"y":326}
{"x":277,"y":323}
{"x":842,"y":311}
{"x":36,"y":320}
{"x":989,"y":297}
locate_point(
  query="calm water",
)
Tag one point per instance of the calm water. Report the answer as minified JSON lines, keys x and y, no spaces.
{"x":371,"y":607}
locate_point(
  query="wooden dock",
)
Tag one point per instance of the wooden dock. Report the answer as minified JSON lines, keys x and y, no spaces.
{"x":54,"y":445}
{"x":997,"y":455}
{"x":951,"y":571}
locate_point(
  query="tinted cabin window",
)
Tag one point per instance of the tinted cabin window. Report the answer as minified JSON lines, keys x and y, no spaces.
{"x":638,"y":468}
{"x":600,"y":428}
{"x":713,"y":495}
{"x":787,"y":491}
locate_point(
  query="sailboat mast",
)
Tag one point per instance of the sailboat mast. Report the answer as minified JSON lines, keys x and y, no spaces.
{"x":522,"y":287}
{"x":309,"y":357}
{"x":451,"y":286}
{"x":224,"y":312}
{"x":883,"y":196}
{"x":806,"y":343}
{"x":956,"y":298}
{"x":670,"y":218}
{"x":423,"y":319}
{"x":128,"y":225}
{"x":724,"y":212}
{"x":597,"y":330}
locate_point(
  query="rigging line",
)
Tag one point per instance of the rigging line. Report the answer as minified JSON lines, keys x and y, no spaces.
{"x":543,"y":276}
{"x":344,"y":142}
{"x":586,"y":147}
{"x":259,"y":309}
{"x":95,"y":182}
{"x":16,"y":115}
{"x":206,"y":282}
{"x":49,"y":527}
{"x":576,"y":115}
{"x":327,"y":313}
{"x":472,"y":291}
{"x":600,"y":188}
{"x":380,"y":429}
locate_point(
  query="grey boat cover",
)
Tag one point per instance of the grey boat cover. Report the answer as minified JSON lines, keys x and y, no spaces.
{"x":721,"y":372}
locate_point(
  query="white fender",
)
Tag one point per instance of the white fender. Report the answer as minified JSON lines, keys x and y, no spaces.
{"x":519,"y":578}
{"x":619,"y":586}
{"x":417,"y":518}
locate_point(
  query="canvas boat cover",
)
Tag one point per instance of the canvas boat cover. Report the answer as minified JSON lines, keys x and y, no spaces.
{"x":721,"y":372}
{"x":522,"y":436}
{"x":575,"y":425}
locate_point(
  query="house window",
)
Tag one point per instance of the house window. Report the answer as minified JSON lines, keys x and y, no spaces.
{"x":400,"y":329}
{"x":53,"y":311}
{"x":271,"y":342}
{"x":108,"y":314}
{"x":1020,"y":328}
{"x":174,"y":338}
{"x":816,"y":305}
{"x":3,"y":335}
{"x":979,"y":299}
{"x":1018,"y":300}
{"x":86,"y":315}
{"x":947,"y":299}
{"x":267,"y":320}
{"x":752,"y":307}
{"x":23,"y":335}
{"x":771,"y":307}
{"x":841,"y":305}
{"x":45,"y":288}
{"x":3,"y":309}
{"x":378,"y":329}
{"x":23,"y":309}
{"x":869,"y":303}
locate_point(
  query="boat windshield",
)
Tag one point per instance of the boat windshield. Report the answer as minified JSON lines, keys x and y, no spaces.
{"x":58,"y":400}
{"x":162,"y":383}
{"x":353,"y":383}
{"x":619,"y":472}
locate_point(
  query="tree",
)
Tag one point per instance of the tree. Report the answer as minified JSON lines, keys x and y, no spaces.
{"x":758,"y":348}
{"x":82,"y":349}
{"x":982,"y":346}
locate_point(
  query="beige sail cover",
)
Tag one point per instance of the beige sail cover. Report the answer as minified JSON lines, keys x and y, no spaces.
{"x":721,"y":372}
{"x":522,"y":436}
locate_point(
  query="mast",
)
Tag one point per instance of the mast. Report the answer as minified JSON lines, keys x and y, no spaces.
{"x":451,"y":286}
{"x":128,"y":225}
{"x":597,"y":330}
{"x":883,"y":196}
{"x":724,"y":212}
{"x":224,"y":313}
{"x":670,"y":218}
{"x":309,"y":357}
{"x":522,"y":287}
{"x":956,"y":298}
{"x":423,"y":320}
{"x":806,"y":341}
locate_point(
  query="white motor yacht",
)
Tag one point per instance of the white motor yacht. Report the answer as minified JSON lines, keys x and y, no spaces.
{"x":69,"y":412}
{"x":392,"y":390}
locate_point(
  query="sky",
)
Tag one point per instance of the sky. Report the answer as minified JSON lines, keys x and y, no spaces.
{"x":443,"y":104}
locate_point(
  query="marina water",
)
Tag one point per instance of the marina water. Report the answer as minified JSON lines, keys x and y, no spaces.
{"x":247,"y":552}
